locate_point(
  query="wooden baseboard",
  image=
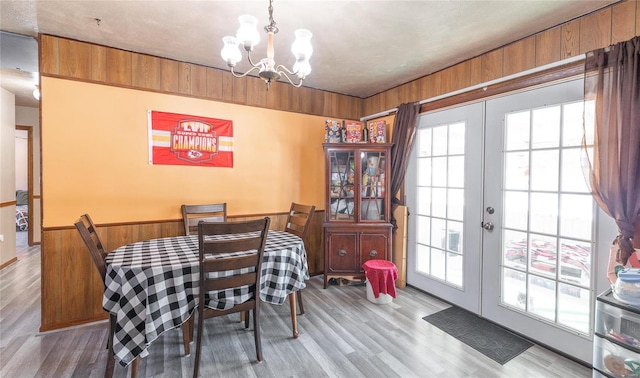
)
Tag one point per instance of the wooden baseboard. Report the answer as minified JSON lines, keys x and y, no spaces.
{"x":56,"y":326}
{"x":8,"y":263}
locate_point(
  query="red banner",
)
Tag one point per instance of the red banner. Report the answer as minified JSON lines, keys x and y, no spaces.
{"x":178,"y":139}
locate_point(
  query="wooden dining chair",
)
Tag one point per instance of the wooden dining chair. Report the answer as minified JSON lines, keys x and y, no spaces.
{"x":89,"y":235}
{"x":192,"y":214}
{"x":298,"y":221}
{"x":246,"y":267}
{"x":87,"y":230}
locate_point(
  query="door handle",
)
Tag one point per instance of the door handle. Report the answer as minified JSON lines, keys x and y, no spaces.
{"x":487,"y":226}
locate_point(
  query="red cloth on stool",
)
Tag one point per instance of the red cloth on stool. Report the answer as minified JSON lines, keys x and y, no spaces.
{"x":381,"y":275}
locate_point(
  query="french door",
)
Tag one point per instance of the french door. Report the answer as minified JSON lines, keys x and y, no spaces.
{"x":529,"y":228}
{"x":445,"y":171}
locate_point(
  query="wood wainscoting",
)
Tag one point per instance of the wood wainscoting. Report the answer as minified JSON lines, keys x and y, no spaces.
{"x":71,"y":286}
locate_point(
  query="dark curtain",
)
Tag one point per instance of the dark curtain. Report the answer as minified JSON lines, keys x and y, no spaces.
{"x":612,"y":80}
{"x":404,"y":130}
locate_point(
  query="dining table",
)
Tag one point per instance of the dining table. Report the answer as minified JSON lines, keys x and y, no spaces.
{"x":151,"y":286}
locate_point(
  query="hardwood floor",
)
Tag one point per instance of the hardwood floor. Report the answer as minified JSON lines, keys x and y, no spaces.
{"x":341,"y":335}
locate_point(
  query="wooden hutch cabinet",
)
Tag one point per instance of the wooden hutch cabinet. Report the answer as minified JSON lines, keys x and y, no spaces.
{"x":357,"y":224}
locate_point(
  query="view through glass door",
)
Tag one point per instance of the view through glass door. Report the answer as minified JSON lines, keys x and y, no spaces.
{"x":536,"y":221}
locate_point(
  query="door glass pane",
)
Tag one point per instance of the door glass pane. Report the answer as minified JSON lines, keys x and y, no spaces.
{"x":572,"y":178}
{"x":543,"y":252}
{"x":440,"y":141}
{"x":517,"y":204}
{"x":544,"y":213}
{"x":455,"y":204}
{"x":574,"y":305}
{"x":517,"y":131}
{"x":575,"y":262}
{"x":341,"y":166}
{"x":454,"y":236}
{"x":438,"y":233}
{"x":439,"y":177}
{"x":545,"y":130}
{"x":423,"y":230}
{"x":424,"y":201}
{"x":517,"y":170}
{"x":544,"y":170}
{"x":438,"y":264}
{"x":424,"y":142}
{"x":572,"y":124}
{"x":423,"y":258}
{"x":424,"y":171}
{"x":514,"y":289}
{"x":542,"y":297}
{"x":456,"y":139}
{"x":454,"y":269}
{"x":515,"y":253}
{"x":576,"y":214}
{"x":456,"y":172}
{"x":439,"y":202}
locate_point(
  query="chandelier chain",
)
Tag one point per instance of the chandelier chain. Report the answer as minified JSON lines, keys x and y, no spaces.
{"x":272,"y":23}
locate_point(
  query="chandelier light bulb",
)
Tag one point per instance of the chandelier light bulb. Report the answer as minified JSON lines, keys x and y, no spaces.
{"x":301,"y":47}
{"x":302,"y":68}
{"x":248,"y":34}
{"x":230,"y":52}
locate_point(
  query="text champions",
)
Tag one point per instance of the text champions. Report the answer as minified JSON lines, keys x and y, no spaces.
{"x":184,"y":141}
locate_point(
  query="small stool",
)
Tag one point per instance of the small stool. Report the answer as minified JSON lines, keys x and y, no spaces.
{"x":381,"y":280}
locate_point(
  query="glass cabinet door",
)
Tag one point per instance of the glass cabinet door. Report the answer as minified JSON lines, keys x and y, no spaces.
{"x":372,"y":186}
{"x":342,"y":186}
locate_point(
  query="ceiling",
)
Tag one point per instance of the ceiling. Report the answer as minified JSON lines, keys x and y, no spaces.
{"x":360,"y":47}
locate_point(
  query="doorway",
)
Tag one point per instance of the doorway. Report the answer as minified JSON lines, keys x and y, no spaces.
{"x":24,"y":183}
{"x":515,"y":240}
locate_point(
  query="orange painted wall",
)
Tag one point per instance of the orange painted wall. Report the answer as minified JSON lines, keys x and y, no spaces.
{"x":95,"y":157}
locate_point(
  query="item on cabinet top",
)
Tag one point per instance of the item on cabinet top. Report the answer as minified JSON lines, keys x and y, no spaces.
{"x":354,"y":131}
{"x":333,"y":131}
{"x":378,"y":131}
{"x":627,"y":286}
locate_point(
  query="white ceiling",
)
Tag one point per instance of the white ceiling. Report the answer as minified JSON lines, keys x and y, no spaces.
{"x":360,"y":47}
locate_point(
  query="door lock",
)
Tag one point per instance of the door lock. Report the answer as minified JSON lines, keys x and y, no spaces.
{"x":487,"y":226}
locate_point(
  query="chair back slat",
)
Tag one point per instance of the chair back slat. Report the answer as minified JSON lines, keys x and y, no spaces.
{"x":299,"y":219}
{"x":87,"y":231}
{"x":246,"y":279}
{"x":230,"y":246}
{"x":192,"y":214}
{"x":220,"y":265}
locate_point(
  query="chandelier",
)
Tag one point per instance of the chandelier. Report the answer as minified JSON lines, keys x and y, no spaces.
{"x":248,"y":37}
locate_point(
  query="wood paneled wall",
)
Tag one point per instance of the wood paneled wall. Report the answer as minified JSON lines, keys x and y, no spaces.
{"x":610,"y":25}
{"x":76,"y":60}
{"x":72,"y":288}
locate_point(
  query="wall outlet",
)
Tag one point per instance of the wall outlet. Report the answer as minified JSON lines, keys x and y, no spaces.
{"x":1,"y":238}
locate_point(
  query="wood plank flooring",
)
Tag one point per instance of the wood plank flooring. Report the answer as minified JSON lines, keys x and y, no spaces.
{"x":341,"y":335}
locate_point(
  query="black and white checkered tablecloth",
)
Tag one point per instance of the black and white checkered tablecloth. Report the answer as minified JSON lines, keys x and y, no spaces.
{"x":152,"y":286}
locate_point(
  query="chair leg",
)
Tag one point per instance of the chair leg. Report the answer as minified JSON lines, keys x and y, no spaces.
{"x":199,"y":333}
{"x":134,"y":367}
{"x":111,"y":361}
{"x":245,"y":315}
{"x":256,"y":332}
{"x":300,"y":305}
{"x":187,"y":334}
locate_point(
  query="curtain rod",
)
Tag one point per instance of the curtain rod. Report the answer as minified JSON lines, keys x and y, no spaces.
{"x":484,"y":85}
